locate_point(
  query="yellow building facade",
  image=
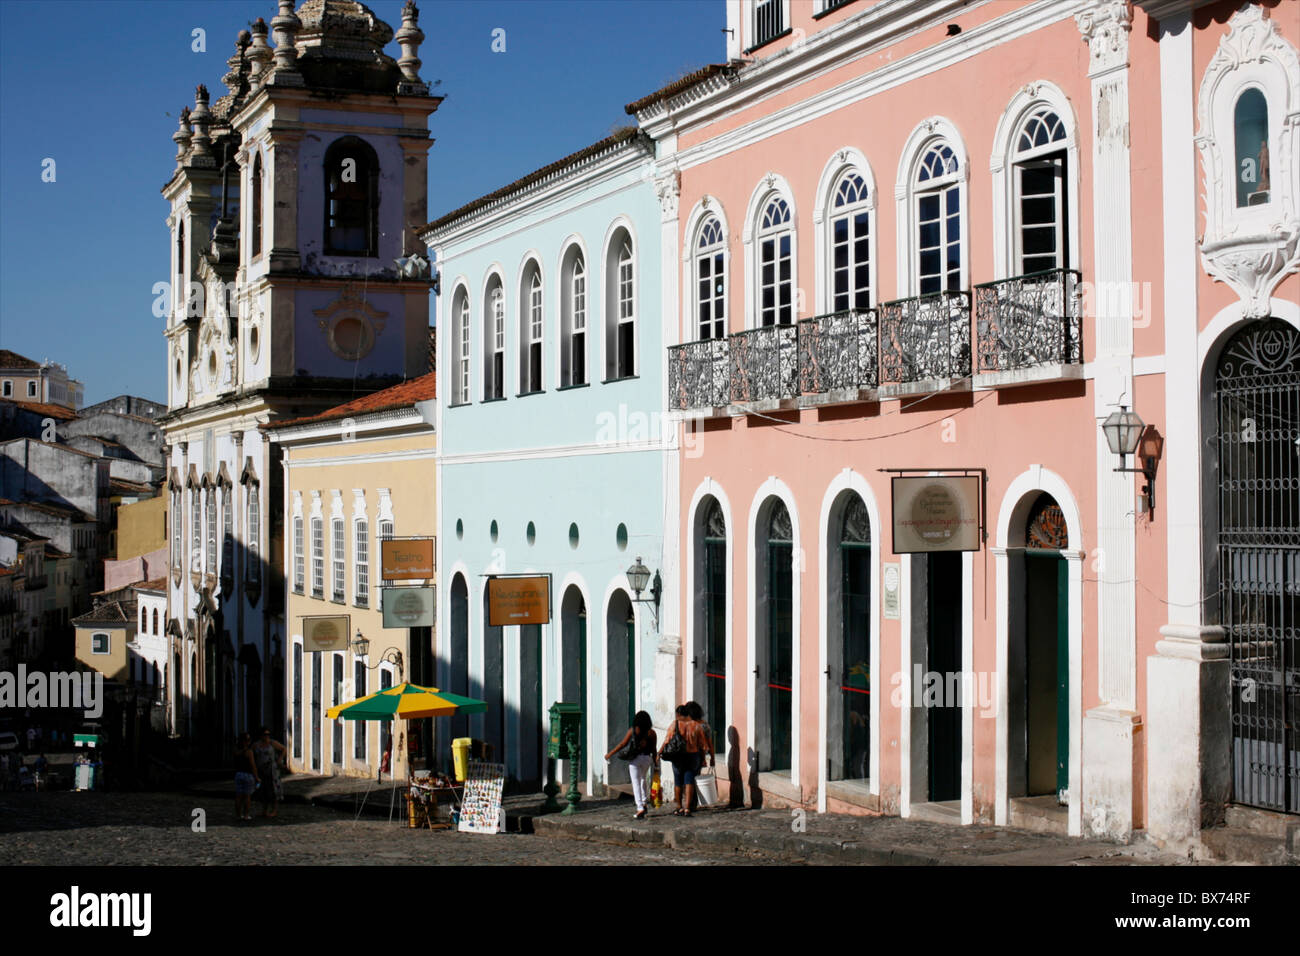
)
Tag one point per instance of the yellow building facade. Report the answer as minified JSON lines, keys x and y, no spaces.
{"x":354,"y":476}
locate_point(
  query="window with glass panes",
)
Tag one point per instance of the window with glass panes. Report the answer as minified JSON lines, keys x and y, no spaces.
{"x":531,"y":372}
{"x":336,"y":698}
{"x":299,"y":571}
{"x":850,"y":245}
{"x":227,"y":533}
{"x":196,"y":531}
{"x":938,"y":221}
{"x":494,"y":376}
{"x":1040,"y":206}
{"x":462,"y":353}
{"x":317,"y":557}
{"x":578,"y":323}
{"x":626,"y":333}
{"x":710,"y":280}
{"x":253,"y":544}
{"x":361,"y":562}
{"x":775,"y":265}
{"x":337,"y":545}
{"x":210,"y":563}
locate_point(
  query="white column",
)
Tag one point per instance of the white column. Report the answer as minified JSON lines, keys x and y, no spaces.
{"x":1111,"y":728}
{"x":1187,"y":678}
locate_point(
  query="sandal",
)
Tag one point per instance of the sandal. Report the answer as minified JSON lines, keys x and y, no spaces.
{"x":679,"y":812}
{"x":687,"y":813}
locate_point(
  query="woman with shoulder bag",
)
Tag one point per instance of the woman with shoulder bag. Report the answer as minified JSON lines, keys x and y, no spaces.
{"x":638,"y":748}
{"x":683,"y":749}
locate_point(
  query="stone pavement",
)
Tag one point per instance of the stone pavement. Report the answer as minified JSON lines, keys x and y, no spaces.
{"x":152,"y":829}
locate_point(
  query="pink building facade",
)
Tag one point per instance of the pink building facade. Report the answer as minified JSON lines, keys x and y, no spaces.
{"x":948,"y":241}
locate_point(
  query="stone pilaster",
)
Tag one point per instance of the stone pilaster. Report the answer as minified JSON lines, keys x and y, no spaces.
{"x":1111,"y":730}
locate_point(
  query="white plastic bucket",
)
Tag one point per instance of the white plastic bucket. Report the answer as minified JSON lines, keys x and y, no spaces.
{"x":706,"y":785}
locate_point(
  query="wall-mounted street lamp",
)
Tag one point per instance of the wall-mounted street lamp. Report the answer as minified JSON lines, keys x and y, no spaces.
{"x":638,"y":576}
{"x":361,"y":647}
{"x":1127,"y":434}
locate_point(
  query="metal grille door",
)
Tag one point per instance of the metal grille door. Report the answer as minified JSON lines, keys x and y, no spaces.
{"x":1258,"y":396}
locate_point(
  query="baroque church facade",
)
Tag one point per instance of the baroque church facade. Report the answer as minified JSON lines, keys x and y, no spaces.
{"x":292,"y":211}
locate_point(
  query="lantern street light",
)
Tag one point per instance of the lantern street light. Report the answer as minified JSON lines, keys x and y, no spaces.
{"x":1125,"y":433}
{"x":638,"y":576}
{"x":361,"y":646}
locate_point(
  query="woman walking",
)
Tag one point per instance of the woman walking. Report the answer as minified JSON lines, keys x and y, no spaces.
{"x":687,"y":760}
{"x":640,"y":738}
{"x":267,"y":754}
{"x":246,"y":777}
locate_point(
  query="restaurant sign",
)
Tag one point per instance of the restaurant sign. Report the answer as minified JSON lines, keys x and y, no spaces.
{"x":406,"y":559}
{"x":936,"y":513}
{"x":326,"y":632}
{"x":523,"y":600}
{"x":408,"y":607}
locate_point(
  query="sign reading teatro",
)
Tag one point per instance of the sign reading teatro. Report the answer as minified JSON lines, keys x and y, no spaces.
{"x":325,"y":632}
{"x":936,"y":513}
{"x":406,"y":559}
{"x":522,"y":600}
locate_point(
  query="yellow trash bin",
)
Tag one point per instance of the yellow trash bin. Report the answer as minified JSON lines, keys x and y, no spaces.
{"x":460,"y":756}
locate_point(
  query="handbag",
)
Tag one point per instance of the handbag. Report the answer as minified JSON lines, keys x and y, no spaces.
{"x":630,"y":751}
{"x":675,"y":749}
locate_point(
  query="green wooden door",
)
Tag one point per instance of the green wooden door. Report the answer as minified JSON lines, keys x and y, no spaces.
{"x":1062,"y":677}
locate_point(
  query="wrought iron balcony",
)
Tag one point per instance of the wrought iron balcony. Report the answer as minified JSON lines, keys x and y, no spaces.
{"x":927,"y":337}
{"x":699,"y":374}
{"x":765,"y":363}
{"x":1028,"y":321}
{"x":838,"y":350}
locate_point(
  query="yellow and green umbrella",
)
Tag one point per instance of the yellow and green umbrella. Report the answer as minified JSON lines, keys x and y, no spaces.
{"x":407,"y":701}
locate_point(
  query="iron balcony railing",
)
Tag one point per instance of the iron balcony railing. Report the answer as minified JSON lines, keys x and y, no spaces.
{"x":765,"y":363}
{"x":1028,"y":321}
{"x":838,"y":350}
{"x":925,"y":337}
{"x":699,"y":374}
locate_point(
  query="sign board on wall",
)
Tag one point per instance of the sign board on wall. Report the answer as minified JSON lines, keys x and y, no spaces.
{"x":326,"y":632}
{"x":406,"y":559}
{"x":893,"y":575}
{"x":525,"y":600}
{"x":408,"y":607}
{"x":936,"y":513}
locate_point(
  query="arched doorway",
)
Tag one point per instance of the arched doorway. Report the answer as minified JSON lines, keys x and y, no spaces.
{"x":848,"y":612}
{"x":620,"y":670}
{"x":774,"y":617}
{"x":1257,"y":394}
{"x":174,"y":679}
{"x":1039,"y":658}
{"x":494,"y":687}
{"x":457,"y":662}
{"x":573,"y":660}
{"x":710,"y":608}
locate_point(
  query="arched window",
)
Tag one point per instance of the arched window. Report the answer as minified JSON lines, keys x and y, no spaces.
{"x":210,"y":565}
{"x":256,"y":223}
{"x":338,"y":546}
{"x":530,"y":330}
{"x":775,"y":240}
{"x":620,"y":307}
{"x":196,"y":531}
{"x":155,"y":623}
{"x":1250,"y":122}
{"x":1041,"y":231}
{"x":711,"y":279}
{"x":850,"y":244}
{"x":573,"y":319}
{"x":351,"y":198}
{"x":253,"y":543}
{"x":711,"y":610}
{"x":775,"y":610}
{"x":494,"y":339}
{"x":938,"y":198}
{"x":317,"y":556}
{"x":460,"y":348}
{"x":227,"y":534}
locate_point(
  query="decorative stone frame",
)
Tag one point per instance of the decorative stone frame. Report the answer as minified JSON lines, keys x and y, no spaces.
{"x":841,"y":162}
{"x":1254,"y":247}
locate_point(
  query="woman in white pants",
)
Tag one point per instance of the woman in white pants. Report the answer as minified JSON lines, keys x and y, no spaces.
{"x":638,"y":748}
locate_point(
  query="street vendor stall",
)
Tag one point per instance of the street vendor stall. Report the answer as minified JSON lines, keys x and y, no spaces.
{"x":425,"y":791}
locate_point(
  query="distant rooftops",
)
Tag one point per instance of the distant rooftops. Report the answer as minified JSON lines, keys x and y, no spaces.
{"x":405,"y":395}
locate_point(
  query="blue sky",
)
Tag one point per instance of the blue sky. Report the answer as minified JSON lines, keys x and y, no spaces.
{"x":91,"y":86}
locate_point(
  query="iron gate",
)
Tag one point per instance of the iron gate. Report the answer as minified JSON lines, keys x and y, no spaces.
{"x":1258,"y":397}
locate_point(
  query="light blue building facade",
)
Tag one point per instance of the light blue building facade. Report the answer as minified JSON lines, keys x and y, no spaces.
{"x":554,"y":454}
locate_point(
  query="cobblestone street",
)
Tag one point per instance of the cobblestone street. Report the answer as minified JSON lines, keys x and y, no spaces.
{"x":67,"y":828}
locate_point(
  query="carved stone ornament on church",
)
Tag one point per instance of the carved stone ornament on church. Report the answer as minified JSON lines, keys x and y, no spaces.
{"x":1105,"y":27}
{"x":350,"y":324}
{"x":1252,"y":199}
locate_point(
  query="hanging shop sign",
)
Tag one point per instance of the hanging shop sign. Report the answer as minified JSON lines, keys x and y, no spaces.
{"x":522,"y":600}
{"x":326,"y":632}
{"x":406,"y":559}
{"x":936,"y":513}
{"x":409,"y":607}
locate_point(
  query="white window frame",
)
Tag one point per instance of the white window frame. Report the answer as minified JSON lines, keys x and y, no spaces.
{"x":108,"y":642}
{"x":317,"y":555}
{"x":461,"y":346}
{"x":338,"y":560}
{"x":210,"y":559}
{"x":299,"y":545}
{"x":196,"y":530}
{"x":907,"y":194}
{"x":494,"y":337}
{"x":774,"y":231}
{"x":31,"y":388}
{"x":253,"y":528}
{"x":574,"y":312}
{"x":841,"y":163}
{"x":613,"y":275}
{"x":770,"y":187}
{"x":532,"y":326}
{"x":361,"y":561}
{"x":751,"y":22}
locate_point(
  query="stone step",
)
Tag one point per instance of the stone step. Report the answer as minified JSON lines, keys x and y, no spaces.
{"x":1040,"y":814}
{"x":1238,"y":845}
{"x":1259,"y":821}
